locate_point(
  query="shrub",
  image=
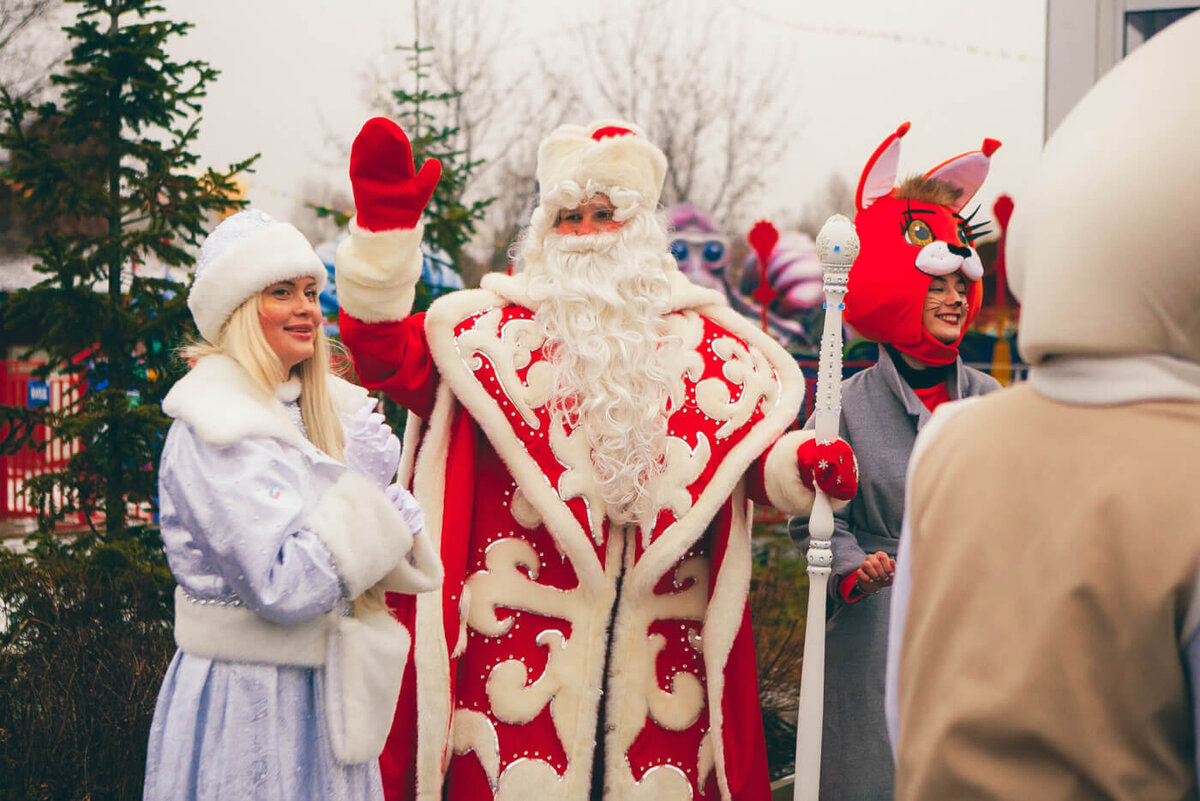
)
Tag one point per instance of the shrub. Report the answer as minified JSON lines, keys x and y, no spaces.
{"x":83,"y":649}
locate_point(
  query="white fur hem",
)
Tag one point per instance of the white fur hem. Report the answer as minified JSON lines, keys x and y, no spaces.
{"x":223,"y":405}
{"x":781,"y":477}
{"x":364,"y":671}
{"x":722,"y":621}
{"x":236,"y":634}
{"x":377,"y":272}
{"x":362,"y":530}
{"x":361,"y":655}
{"x":431,"y":654}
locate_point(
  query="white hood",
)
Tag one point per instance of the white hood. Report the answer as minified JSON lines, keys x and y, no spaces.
{"x":1104,"y":249}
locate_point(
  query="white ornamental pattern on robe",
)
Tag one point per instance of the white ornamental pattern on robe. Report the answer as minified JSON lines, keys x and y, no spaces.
{"x":725,"y":383}
{"x":747,"y":384}
{"x":509,"y":582}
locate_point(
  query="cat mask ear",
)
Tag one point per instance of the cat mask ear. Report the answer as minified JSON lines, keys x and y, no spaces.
{"x":879,"y":176}
{"x":966,"y":171}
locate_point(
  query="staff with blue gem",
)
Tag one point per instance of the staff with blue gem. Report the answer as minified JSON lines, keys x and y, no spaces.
{"x":837,"y":247}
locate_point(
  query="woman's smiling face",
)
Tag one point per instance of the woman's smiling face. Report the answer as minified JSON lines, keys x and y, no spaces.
{"x":289,"y":314}
{"x":945,"y":309}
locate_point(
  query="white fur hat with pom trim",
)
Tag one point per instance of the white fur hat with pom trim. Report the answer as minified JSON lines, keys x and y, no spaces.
{"x":606,"y":154}
{"x":242,"y":256}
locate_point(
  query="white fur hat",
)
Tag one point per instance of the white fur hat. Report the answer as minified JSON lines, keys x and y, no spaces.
{"x":242,"y":256}
{"x":608,"y":154}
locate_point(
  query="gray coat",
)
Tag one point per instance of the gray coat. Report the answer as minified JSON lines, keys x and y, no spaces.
{"x":881,"y":416}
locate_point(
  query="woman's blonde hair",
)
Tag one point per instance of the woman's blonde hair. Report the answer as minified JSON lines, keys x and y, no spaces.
{"x":242,"y":339}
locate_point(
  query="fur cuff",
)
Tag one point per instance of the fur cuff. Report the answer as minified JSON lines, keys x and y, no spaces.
{"x":781,"y":477}
{"x":377,"y":272}
{"x":422,"y":574}
{"x":362,"y":530}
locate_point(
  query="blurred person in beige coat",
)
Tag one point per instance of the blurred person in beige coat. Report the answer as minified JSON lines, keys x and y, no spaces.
{"x":1046,"y":606}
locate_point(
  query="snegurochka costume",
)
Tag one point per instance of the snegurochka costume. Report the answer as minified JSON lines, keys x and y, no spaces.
{"x":565,"y":646}
{"x":1046,"y":620}
{"x":908,"y":234}
{"x":276,"y":688}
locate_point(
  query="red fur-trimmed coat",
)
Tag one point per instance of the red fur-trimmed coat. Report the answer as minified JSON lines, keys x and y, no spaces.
{"x":561,"y":642}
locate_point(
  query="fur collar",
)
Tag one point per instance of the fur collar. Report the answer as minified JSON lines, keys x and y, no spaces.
{"x":457,"y":372}
{"x":1104,"y":380}
{"x":222,"y":404}
{"x":684,"y":294}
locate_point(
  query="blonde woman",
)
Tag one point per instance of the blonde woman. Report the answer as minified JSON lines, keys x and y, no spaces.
{"x":283,"y":530}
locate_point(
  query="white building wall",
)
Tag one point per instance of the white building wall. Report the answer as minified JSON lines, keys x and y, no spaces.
{"x":1084,"y":39}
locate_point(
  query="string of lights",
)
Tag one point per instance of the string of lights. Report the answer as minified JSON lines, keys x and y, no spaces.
{"x":868,"y":33}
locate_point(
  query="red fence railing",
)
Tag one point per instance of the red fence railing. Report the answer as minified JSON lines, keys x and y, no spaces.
{"x":57,"y":392}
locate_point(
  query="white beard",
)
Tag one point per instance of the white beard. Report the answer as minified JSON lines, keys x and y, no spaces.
{"x":604,"y":298}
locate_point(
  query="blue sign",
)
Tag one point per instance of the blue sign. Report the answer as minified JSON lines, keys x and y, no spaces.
{"x":38,"y":394}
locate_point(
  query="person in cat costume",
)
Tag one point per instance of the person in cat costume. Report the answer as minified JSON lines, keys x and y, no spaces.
{"x":914,"y":288}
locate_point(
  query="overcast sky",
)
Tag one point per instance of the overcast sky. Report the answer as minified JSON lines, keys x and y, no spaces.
{"x":294,"y":86}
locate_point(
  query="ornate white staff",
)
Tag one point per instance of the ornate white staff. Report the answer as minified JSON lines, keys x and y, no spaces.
{"x":837,"y":247}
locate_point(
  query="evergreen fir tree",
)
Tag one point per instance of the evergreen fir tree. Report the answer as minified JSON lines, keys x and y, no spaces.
{"x":109,"y":182}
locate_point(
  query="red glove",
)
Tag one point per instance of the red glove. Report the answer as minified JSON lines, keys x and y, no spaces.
{"x":386,"y":193}
{"x":833,"y":465}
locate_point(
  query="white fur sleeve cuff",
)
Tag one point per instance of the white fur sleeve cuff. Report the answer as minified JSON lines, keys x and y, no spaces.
{"x":365,"y":534}
{"x":421,"y":572}
{"x":377,"y":272}
{"x":781,"y":477}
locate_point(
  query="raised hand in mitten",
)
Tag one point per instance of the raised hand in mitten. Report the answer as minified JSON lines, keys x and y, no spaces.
{"x":833,"y":466}
{"x":387,"y":193}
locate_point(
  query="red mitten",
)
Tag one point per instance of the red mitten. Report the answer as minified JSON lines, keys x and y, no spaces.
{"x":387,"y":195}
{"x":833,"y":465}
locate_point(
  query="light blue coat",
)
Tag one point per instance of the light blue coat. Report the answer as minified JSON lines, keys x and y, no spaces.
{"x":269,"y":539}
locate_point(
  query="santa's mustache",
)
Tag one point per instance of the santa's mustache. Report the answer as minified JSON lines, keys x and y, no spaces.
{"x":584,"y":243}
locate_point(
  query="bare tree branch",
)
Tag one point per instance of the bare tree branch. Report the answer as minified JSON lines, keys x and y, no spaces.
{"x":836,"y":197}
{"x":471,"y":58}
{"x":30,"y":45}
{"x":702,"y":94}
{"x":716,"y":112}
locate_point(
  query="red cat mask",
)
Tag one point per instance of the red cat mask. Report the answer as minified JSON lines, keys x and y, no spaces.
{"x":907,"y":240}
